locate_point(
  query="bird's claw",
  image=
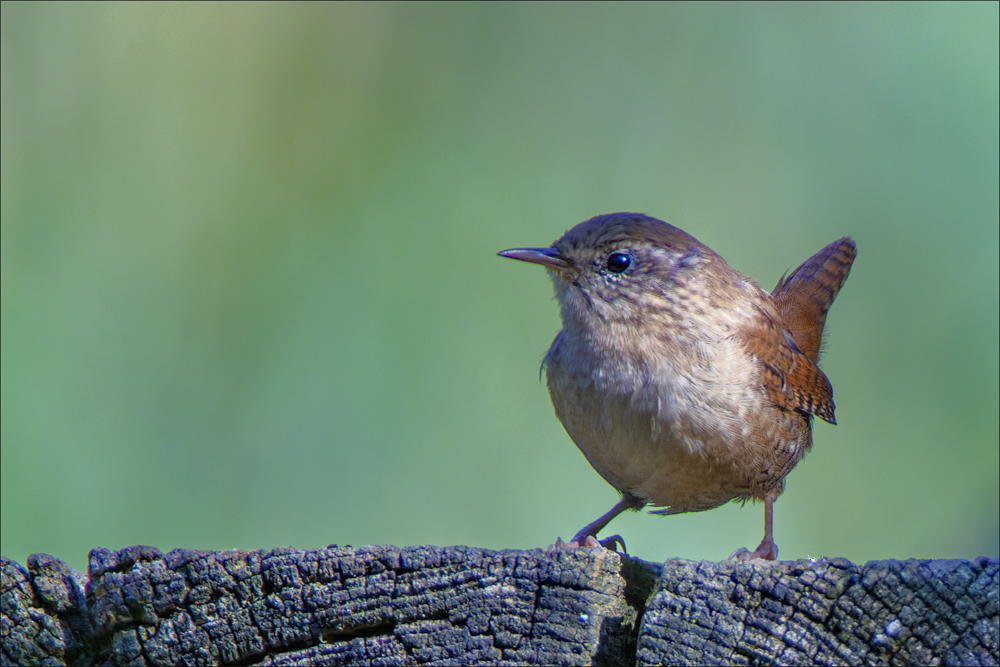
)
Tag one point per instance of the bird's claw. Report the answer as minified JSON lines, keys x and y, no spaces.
{"x":609,"y":543}
{"x":766,"y":551}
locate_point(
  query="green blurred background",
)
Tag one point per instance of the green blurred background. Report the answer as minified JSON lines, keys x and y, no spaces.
{"x":250,"y":296}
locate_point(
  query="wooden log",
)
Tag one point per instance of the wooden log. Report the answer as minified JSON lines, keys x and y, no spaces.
{"x":462,"y":605}
{"x":823,"y":612}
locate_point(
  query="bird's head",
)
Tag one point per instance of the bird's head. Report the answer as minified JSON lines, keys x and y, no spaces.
{"x":622,"y":267}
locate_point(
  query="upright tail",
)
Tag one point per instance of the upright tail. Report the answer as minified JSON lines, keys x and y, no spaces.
{"x":804,"y":296}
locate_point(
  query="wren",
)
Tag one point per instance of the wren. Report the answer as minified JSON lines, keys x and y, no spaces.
{"x":683,"y":383}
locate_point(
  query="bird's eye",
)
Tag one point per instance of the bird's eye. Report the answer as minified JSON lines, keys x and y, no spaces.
{"x":619,"y":261}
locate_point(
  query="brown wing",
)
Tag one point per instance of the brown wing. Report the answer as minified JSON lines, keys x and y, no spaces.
{"x":787,"y":342}
{"x":792,"y":381}
{"x":804,"y":297}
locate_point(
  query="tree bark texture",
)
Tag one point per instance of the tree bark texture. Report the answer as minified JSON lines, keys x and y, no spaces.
{"x":386,"y":605}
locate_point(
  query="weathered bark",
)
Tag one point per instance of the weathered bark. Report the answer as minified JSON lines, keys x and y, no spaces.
{"x":461,"y":605}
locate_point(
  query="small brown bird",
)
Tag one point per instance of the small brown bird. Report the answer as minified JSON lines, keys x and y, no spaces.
{"x":683,"y":382}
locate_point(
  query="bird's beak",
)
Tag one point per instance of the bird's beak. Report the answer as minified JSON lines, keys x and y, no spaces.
{"x":550,"y":258}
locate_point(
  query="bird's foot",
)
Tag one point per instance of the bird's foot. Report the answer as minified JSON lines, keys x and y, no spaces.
{"x":767,"y":550}
{"x":590,"y":541}
{"x":610,"y":543}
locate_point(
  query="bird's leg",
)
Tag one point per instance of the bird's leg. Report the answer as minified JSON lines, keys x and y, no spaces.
{"x":767,"y":549}
{"x":587,"y":537}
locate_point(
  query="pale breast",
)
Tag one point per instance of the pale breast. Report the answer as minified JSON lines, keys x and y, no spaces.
{"x":675,"y":435}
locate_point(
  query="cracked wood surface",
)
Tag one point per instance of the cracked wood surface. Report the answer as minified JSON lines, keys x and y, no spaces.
{"x":462,"y":605}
